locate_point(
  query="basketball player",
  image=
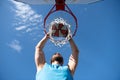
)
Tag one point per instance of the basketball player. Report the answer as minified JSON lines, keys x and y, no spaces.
{"x":55,"y":70}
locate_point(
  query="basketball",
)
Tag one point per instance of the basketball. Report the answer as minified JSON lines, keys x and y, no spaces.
{"x":59,"y":30}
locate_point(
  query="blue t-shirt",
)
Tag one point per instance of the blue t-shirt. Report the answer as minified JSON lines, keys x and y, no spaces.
{"x":54,"y":72}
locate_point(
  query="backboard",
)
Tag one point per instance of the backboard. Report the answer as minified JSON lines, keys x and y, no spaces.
{"x":37,"y":2}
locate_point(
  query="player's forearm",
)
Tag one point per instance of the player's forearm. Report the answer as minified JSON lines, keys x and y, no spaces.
{"x":73,"y":46}
{"x":73,"y":60}
{"x":41,"y":44}
{"x":39,"y":54}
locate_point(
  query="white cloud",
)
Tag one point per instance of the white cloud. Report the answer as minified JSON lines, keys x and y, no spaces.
{"x":20,"y":28}
{"x":26,"y":20}
{"x":15,"y":44}
{"x":29,"y":30}
{"x":25,"y":17}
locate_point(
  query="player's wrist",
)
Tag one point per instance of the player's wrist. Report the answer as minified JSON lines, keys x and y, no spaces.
{"x":69,"y":37}
{"x":47,"y":36}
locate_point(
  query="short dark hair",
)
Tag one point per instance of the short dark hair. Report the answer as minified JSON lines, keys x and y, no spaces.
{"x":59,"y":59}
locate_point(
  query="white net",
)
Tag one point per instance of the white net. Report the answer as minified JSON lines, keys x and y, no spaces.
{"x":57,"y":19}
{"x":59,"y":31}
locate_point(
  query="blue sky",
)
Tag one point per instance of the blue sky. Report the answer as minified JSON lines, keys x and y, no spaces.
{"x":97,"y":37}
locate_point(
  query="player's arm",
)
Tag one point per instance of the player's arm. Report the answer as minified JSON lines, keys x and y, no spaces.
{"x":73,"y":60}
{"x":39,"y":54}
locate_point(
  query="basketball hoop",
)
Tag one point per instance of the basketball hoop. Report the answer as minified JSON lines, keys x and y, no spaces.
{"x":56,"y":27}
{"x":62,"y":8}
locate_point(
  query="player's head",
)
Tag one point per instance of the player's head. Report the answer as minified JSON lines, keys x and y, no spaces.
{"x":57,"y":57}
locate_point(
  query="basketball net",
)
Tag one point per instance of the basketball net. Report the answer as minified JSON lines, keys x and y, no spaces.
{"x":59,"y":32}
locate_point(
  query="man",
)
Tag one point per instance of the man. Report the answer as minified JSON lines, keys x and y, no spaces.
{"x":55,"y":71}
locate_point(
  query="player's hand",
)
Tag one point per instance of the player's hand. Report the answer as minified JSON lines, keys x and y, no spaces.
{"x":69,"y":37}
{"x":47,"y":35}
